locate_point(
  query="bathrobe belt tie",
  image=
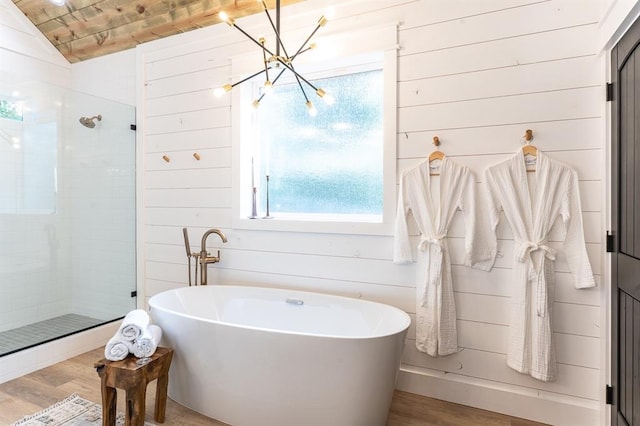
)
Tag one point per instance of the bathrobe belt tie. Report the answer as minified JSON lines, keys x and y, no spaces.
{"x":524,"y":254}
{"x":434,"y":276}
{"x":437,"y":242}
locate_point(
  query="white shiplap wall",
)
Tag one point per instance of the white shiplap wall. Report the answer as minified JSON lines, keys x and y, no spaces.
{"x":475,"y":73}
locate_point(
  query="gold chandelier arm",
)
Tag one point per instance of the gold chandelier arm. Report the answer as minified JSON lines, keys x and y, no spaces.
{"x":264,"y":58}
{"x":321,"y":23}
{"x":278,"y":76}
{"x":300,"y":52}
{"x":246,"y":34}
{"x":302,"y":89}
{"x":247,"y":78}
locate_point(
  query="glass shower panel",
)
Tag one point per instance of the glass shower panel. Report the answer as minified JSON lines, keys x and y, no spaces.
{"x":67,"y":213}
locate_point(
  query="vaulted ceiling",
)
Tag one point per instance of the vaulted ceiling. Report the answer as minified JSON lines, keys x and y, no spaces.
{"x":85,"y":29}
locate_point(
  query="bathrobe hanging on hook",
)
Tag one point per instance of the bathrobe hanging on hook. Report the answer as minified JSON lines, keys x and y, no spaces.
{"x":432,"y":201}
{"x":532,"y":203}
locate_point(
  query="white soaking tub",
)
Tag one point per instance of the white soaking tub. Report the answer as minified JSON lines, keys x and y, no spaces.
{"x":270,"y":357}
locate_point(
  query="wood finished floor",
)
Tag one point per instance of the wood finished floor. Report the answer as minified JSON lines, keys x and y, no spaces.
{"x":33,"y":392}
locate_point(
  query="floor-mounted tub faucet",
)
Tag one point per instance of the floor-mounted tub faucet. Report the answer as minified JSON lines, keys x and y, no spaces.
{"x":205,"y":259}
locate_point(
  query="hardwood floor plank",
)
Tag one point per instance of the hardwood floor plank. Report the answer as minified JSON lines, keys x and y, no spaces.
{"x":12,"y":409}
{"x":38,"y":390}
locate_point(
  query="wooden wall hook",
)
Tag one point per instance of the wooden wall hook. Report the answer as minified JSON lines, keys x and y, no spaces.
{"x":528,"y":135}
{"x":166,"y":158}
{"x":196,"y":156}
{"x":436,"y":141}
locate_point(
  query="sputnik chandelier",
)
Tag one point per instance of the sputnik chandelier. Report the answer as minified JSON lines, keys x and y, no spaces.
{"x":279,"y":62}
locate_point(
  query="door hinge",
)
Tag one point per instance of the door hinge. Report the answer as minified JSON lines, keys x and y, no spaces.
{"x":609,"y":92}
{"x":133,"y":127}
{"x":609,"y":395}
{"x":134,"y":293}
{"x":610,"y":242}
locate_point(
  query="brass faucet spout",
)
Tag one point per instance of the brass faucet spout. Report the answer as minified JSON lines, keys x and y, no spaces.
{"x":205,"y":259}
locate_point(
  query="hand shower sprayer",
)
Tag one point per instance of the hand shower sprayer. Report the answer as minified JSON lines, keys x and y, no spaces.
{"x":187,"y":246}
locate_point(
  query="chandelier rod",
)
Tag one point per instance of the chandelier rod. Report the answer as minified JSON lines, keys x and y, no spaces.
{"x":277,"y":29}
{"x":321,"y":22}
{"x":247,"y":78}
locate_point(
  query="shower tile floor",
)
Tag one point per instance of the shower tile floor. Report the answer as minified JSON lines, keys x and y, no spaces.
{"x":44,"y":331}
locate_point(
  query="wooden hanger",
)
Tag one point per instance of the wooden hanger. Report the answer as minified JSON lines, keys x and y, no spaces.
{"x":528,"y":149}
{"x":435,"y":155}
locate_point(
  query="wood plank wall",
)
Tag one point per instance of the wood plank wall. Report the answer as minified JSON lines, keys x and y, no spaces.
{"x":474,"y":73}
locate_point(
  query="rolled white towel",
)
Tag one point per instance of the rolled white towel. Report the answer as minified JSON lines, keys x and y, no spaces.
{"x":133,"y":324}
{"x":117,"y":349}
{"x":148,"y":342}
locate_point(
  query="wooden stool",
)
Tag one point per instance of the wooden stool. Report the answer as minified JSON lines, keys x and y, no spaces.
{"x":133,"y":378}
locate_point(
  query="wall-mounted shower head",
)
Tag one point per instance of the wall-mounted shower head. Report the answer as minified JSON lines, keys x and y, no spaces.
{"x":88,"y":121}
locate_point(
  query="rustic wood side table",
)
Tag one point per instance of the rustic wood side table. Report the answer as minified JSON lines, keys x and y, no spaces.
{"x":133,"y":378}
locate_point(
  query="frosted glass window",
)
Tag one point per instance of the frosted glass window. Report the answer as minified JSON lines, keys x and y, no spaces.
{"x":329,"y":164}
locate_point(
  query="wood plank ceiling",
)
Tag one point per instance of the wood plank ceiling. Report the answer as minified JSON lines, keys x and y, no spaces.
{"x":85,"y":29}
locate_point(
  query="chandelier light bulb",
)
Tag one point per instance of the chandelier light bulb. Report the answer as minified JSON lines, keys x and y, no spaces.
{"x":268,"y":87}
{"x":255,"y":103}
{"x":223,"y":16}
{"x":219,"y":91}
{"x":328,"y":99}
{"x":311,"y":109}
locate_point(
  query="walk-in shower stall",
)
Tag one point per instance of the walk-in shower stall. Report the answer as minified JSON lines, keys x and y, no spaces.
{"x":67,"y":213}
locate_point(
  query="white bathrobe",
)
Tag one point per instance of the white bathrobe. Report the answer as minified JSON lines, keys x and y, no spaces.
{"x":532,"y":202}
{"x":432,"y":202}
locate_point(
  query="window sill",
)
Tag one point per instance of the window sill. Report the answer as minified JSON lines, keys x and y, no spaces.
{"x":313,"y":225}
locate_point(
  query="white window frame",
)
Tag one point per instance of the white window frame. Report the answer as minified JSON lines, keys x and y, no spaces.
{"x":382,"y":40}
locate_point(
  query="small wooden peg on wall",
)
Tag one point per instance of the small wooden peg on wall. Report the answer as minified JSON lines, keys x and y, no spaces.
{"x":528,"y":135}
{"x":436,"y":141}
{"x":196,"y":156}
{"x":166,"y":158}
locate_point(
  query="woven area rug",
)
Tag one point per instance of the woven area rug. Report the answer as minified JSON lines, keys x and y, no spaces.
{"x":72,"y":411}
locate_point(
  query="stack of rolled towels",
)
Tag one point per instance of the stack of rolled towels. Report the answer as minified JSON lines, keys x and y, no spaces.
{"x":135,"y":335}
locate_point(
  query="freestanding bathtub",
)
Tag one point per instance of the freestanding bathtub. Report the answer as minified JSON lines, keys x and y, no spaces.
{"x":270,"y":357}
